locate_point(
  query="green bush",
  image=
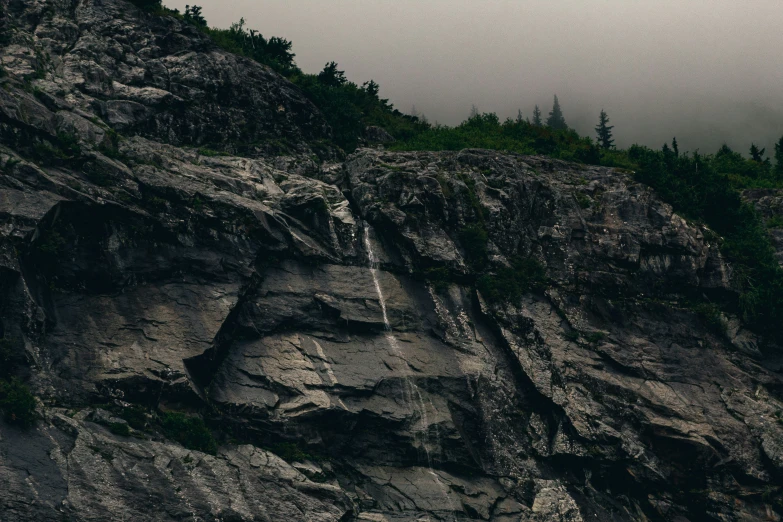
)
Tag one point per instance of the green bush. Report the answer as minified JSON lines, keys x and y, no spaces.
{"x":135,"y":416}
{"x":191,"y":432}
{"x":291,"y":452}
{"x":711,"y":315}
{"x":17,"y":403}
{"x":148,"y":5}
{"x":473,"y":239}
{"x":775,"y":221}
{"x":595,"y":337}
{"x":486,"y":131}
{"x":119,"y":428}
{"x":7,"y":359}
{"x":695,"y":187}
{"x":509,"y":284}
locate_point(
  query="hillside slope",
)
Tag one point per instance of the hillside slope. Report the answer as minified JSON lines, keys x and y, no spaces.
{"x":455,"y":335}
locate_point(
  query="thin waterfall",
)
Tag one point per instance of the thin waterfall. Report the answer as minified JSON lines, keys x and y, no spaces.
{"x":411,"y":392}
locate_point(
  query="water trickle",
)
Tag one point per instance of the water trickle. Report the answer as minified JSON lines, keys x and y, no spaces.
{"x":411,"y":392}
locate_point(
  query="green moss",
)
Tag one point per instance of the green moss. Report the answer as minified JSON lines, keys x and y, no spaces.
{"x":191,"y":432}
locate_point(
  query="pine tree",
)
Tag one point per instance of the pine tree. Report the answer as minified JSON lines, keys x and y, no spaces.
{"x":757,"y":154}
{"x":604,"y":131}
{"x":537,"y":117}
{"x":675,"y":147}
{"x":519,"y":116}
{"x":779,"y":159}
{"x":331,"y":76}
{"x":556,"y":120}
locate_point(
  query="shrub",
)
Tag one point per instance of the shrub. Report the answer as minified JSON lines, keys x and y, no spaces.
{"x":148,"y":5}
{"x":509,"y":284}
{"x":191,"y":432}
{"x":291,"y":452}
{"x":17,"y":403}
{"x":7,"y":359}
{"x":775,"y":221}
{"x":474,"y":240}
{"x":583,"y":200}
{"x":595,"y":337}
{"x":711,"y":315}
{"x":135,"y":416}
{"x":119,"y":428}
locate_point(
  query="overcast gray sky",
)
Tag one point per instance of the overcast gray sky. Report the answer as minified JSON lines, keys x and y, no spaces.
{"x":707,"y":71}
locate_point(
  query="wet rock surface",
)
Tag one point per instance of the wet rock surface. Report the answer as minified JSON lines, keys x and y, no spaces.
{"x":323,"y":317}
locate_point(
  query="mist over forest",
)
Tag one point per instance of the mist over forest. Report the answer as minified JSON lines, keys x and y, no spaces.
{"x":707,"y":72}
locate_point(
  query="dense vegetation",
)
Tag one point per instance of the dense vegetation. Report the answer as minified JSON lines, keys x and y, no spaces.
{"x":349,"y":108}
{"x":191,"y":432}
{"x":704,"y":188}
{"x":16,"y":402}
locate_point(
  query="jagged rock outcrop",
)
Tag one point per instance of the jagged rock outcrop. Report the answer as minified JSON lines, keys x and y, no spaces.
{"x":326,"y":314}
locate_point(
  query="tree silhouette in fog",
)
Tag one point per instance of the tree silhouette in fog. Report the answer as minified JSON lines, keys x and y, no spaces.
{"x":556,"y":120}
{"x":604,"y":131}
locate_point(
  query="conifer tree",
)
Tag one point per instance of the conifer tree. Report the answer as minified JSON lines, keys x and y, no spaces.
{"x":556,"y":120}
{"x":604,"y":131}
{"x":537,"y":117}
{"x":675,"y":147}
{"x":519,"y":116}
{"x":779,"y":159}
{"x":757,"y":154}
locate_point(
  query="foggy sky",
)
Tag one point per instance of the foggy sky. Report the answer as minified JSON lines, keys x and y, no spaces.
{"x":705,"y":71}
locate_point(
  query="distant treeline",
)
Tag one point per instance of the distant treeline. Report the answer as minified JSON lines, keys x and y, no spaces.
{"x":704,"y":188}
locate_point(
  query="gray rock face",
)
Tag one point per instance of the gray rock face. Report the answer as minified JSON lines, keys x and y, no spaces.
{"x":323,"y":318}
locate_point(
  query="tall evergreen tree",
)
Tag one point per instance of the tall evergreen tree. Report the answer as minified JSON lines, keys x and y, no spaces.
{"x":519,"y":116}
{"x":757,"y":154}
{"x":556,"y":120}
{"x":331,"y":76}
{"x":779,"y":159}
{"x":537,"y":117}
{"x":675,"y":147}
{"x":604,"y":131}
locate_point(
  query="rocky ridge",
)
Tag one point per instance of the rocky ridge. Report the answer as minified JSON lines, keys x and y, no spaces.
{"x":177,"y":235}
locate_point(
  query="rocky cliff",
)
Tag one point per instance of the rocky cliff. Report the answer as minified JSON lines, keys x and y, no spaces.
{"x":177,"y":236}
